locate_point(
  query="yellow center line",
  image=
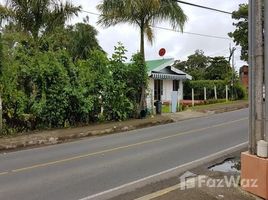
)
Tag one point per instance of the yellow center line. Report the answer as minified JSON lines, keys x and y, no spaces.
{"x":118,"y":148}
{"x":3,"y":173}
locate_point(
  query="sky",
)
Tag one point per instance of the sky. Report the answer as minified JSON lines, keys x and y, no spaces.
{"x":178,"y":45}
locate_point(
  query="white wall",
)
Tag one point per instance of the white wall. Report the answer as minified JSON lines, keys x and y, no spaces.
{"x":167,"y":91}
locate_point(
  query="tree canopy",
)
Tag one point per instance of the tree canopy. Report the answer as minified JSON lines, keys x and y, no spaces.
{"x":240,"y":35}
{"x":143,"y":14}
{"x":195,"y":65}
{"x":202,"y":67}
{"x":39,"y":17}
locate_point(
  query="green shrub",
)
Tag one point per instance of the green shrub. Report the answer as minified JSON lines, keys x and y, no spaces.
{"x":237,"y":90}
{"x":47,"y":89}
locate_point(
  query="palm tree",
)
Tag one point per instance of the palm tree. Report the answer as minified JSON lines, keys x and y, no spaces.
{"x":144,"y":14}
{"x":3,"y":14}
{"x":40,"y":16}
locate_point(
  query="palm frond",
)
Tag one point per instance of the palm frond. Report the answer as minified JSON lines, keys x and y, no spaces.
{"x":171,"y":12}
{"x":149,"y":32}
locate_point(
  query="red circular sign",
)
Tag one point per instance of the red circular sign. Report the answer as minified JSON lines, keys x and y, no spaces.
{"x":162,"y":52}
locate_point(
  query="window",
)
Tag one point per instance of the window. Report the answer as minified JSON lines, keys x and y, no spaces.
{"x":158,"y":89}
{"x":176,"y":85}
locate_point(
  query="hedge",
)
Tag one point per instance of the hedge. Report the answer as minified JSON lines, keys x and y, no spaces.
{"x":238,"y":91}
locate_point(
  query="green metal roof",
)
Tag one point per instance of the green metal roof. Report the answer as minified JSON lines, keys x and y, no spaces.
{"x":153,"y":64}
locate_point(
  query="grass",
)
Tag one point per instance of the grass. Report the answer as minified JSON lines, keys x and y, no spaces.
{"x":166,"y":109}
{"x":201,"y":107}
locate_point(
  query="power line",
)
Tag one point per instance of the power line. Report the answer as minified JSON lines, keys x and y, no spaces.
{"x":92,"y":13}
{"x":204,"y":7}
{"x":191,"y":33}
{"x":168,"y":29}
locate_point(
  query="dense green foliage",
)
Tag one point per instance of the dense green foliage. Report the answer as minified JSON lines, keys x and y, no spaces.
{"x":195,"y":65}
{"x":40,"y":17}
{"x":58,"y":76}
{"x":236,"y":92}
{"x":1,"y":54}
{"x":209,"y":72}
{"x":240,"y":35}
{"x":219,"y":69}
{"x":46,"y":89}
{"x":202,"y":67}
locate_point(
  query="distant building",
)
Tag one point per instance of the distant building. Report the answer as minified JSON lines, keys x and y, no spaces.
{"x":243,"y":74}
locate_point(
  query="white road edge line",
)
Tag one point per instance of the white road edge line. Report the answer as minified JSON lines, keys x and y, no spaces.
{"x":194,"y":163}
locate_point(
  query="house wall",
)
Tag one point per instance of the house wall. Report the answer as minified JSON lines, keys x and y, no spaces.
{"x":167,"y":92}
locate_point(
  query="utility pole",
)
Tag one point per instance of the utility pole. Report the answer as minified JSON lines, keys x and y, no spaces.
{"x":254,"y":163}
{"x":259,"y":70}
{"x":266,"y":65}
{"x":256,"y":62}
{"x":232,"y":63}
{"x":252,"y":117}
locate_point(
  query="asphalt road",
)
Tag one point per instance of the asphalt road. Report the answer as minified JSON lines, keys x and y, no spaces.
{"x":86,"y":167}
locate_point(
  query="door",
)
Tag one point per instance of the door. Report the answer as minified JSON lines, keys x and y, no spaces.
{"x":158,"y":89}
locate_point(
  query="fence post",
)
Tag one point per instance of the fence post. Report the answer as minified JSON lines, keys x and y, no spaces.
{"x":226,"y":92}
{"x":205,"y":93}
{"x":192,"y":97}
{"x":215,"y":92}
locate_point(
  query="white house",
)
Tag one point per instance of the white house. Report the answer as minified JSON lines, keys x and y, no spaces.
{"x":165,"y":83}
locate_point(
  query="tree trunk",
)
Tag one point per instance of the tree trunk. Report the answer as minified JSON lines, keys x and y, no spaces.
{"x":142,"y":105}
{"x":142,"y":51}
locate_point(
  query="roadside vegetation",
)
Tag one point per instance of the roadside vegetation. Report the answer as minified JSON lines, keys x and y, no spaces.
{"x":208,"y":72}
{"x":55,"y":75}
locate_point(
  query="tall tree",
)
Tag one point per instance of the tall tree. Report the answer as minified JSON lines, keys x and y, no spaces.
{"x":195,"y":65}
{"x":83,"y":40}
{"x":143,"y":14}
{"x":240,"y":35}
{"x":3,"y":13}
{"x":40,"y":16}
{"x":1,"y":73}
{"x":1,"y":54}
{"x":218,"y":69}
{"x":79,"y":40}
